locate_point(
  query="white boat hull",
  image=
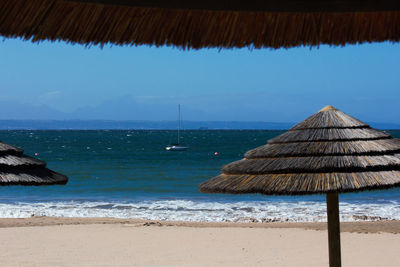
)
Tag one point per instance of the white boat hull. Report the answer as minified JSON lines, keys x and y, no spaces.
{"x":176,"y":148}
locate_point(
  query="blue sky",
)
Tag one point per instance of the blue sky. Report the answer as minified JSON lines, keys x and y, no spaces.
{"x":60,"y":81}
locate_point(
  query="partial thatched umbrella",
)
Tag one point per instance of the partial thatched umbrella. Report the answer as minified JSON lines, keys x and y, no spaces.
{"x":328,"y":153}
{"x":19,"y":169}
{"x":206,"y":23}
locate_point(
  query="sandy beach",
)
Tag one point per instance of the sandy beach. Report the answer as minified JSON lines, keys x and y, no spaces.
{"x":50,"y":241}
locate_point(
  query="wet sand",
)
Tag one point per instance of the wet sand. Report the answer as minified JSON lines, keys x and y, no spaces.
{"x":382,"y":226}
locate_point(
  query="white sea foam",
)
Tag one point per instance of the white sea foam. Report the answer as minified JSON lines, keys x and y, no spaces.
{"x":185,"y":210}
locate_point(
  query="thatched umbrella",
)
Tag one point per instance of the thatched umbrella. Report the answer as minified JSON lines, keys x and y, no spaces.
{"x":206,"y":23}
{"x":19,"y":169}
{"x":328,"y":153}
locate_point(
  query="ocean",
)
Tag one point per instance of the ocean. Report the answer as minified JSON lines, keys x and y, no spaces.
{"x":129,"y":174}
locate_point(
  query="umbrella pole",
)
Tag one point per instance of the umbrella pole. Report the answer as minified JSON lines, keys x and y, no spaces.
{"x":332,"y":202}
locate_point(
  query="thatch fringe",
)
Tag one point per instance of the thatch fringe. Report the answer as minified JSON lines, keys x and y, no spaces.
{"x":365,"y":147}
{"x":97,"y":24}
{"x":329,"y":134}
{"x":24,"y":161}
{"x":301,"y":183}
{"x":313,"y":164}
{"x":307,"y":6}
{"x":37,"y":176}
{"x":9,"y":149}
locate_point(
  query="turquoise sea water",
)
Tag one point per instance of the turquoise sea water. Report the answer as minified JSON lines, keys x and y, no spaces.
{"x":129,"y":174}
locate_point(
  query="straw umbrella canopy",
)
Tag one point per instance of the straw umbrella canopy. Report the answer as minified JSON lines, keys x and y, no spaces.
{"x":19,"y":169}
{"x":199,"y":24}
{"x":328,"y":153}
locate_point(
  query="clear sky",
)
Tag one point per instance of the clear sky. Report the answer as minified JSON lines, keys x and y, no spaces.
{"x":60,"y":81}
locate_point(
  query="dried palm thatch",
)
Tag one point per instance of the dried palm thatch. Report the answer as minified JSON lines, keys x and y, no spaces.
{"x":19,"y":169}
{"x":328,"y":152}
{"x":199,"y":24}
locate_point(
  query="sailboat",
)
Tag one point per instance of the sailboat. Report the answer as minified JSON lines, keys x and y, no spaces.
{"x":177,"y":146}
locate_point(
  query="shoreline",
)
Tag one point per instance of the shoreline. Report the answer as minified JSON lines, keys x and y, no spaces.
{"x":382,"y":226}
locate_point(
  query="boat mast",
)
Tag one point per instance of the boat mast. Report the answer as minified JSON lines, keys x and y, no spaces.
{"x":179,"y":122}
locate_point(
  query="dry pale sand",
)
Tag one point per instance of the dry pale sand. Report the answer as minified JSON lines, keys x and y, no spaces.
{"x":111,"y":242}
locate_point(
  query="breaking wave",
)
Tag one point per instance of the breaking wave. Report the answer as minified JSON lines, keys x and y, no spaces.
{"x":188,"y":210}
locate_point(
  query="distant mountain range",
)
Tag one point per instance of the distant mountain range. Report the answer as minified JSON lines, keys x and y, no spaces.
{"x":127,"y":113}
{"x":153,"y":125}
{"x":123,"y":109}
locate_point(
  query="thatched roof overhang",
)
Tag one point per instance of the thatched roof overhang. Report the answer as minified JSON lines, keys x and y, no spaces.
{"x":328,"y":152}
{"x":199,"y":24}
{"x":258,"y":5}
{"x":19,"y":169}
